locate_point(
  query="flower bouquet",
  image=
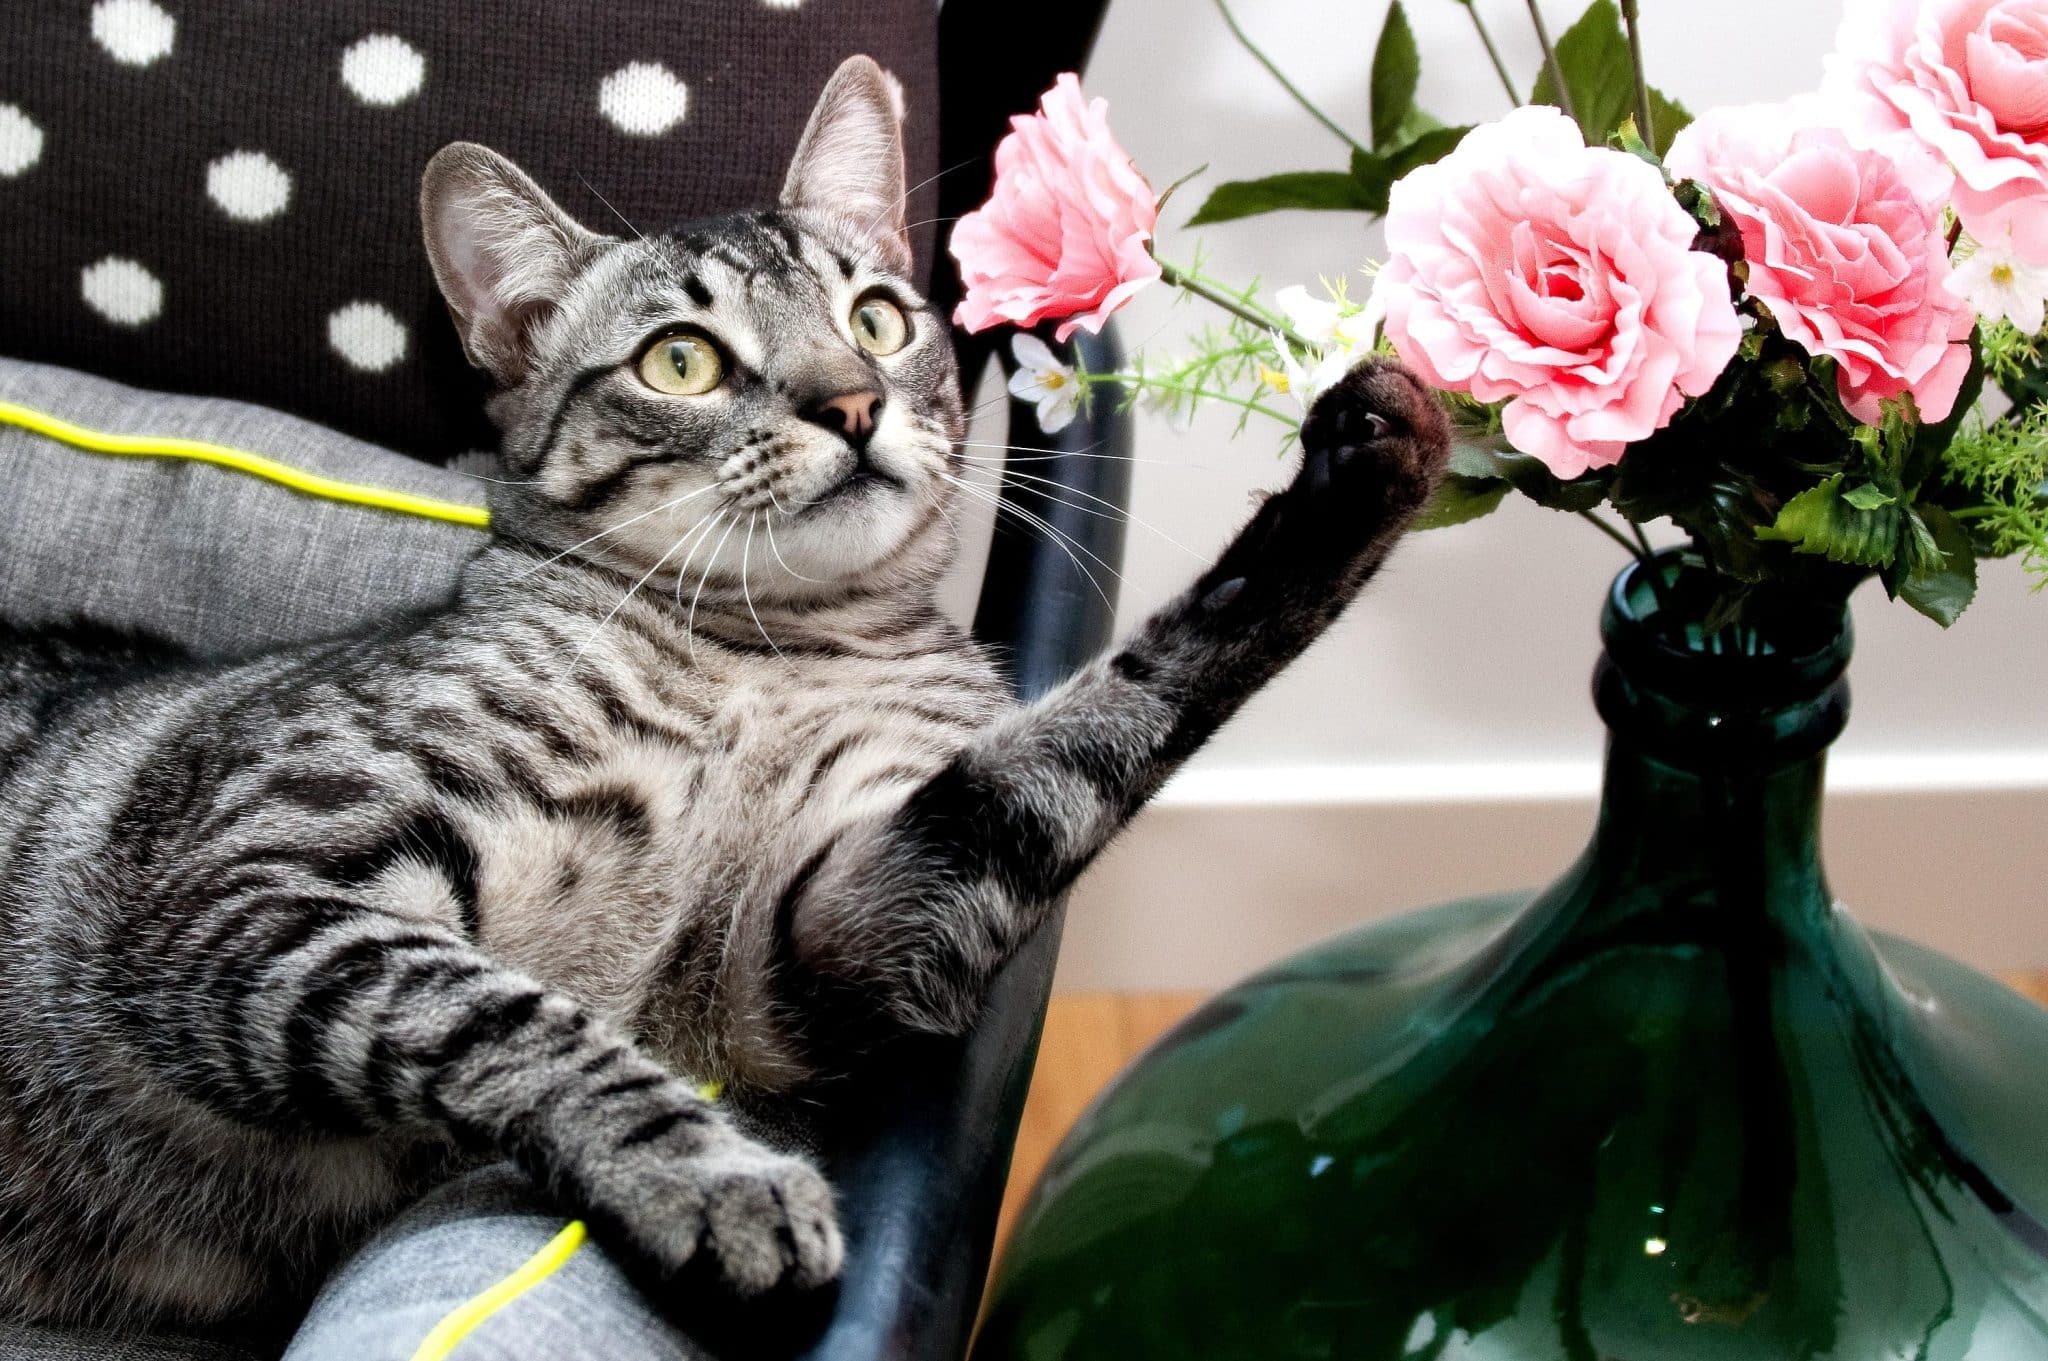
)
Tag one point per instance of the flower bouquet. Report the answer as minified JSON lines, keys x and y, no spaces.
{"x":1808,"y":334}
{"x":1677,"y":1104}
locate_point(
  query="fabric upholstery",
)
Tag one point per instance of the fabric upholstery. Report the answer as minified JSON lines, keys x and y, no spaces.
{"x":220,"y":199}
{"x":218,"y":561}
{"x":456,"y":1243}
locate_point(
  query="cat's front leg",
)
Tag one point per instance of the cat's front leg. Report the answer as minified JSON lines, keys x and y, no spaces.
{"x":388,"y":1025}
{"x":917,"y":910}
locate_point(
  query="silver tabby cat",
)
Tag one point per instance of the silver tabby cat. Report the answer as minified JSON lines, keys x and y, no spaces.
{"x":691,"y":781}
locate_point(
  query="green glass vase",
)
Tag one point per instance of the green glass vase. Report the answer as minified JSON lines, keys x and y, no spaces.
{"x":1676,"y":1105}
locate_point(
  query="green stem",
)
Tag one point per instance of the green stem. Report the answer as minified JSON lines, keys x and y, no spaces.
{"x":1286,"y":84}
{"x":1145,"y":380}
{"x":1238,"y":307}
{"x":1645,"y":123}
{"x":1592,"y":518}
{"x":1648,"y":556}
{"x":1500,"y":68}
{"x":1564,"y":95}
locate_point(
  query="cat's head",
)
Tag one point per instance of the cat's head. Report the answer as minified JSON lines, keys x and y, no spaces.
{"x":769,"y":376}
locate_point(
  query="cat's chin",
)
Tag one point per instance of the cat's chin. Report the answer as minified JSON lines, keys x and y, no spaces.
{"x":863,"y":527}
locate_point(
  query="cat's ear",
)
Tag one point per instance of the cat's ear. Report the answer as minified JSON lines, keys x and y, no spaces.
{"x":502,"y":252}
{"x":850,"y":161}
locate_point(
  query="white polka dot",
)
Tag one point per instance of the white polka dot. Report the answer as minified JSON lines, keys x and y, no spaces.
{"x":248,"y":186}
{"x":134,"y":32}
{"x":896,"y":99}
{"x":643,"y":99}
{"x":122,"y":291}
{"x":383,"y":70}
{"x":367,"y":336}
{"x":783,"y":4}
{"x":21,"y":141}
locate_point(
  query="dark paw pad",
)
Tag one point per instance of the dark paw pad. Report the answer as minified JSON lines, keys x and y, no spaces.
{"x":1380,"y":429}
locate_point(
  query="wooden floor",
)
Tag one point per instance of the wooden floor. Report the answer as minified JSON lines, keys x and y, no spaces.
{"x":1090,"y":1036}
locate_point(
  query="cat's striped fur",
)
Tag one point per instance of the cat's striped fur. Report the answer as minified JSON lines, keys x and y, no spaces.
{"x":280,"y":940}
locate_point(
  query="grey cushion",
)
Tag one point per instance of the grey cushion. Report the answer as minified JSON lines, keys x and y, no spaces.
{"x":217,"y":560}
{"x":457,"y":1243}
{"x":225,"y":563}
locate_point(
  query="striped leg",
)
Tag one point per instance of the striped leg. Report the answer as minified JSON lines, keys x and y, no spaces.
{"x":922,"y":908}
{"x":351,"y":1020}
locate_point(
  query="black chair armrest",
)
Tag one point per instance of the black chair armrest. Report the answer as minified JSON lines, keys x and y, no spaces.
{"x":922,"y":1150}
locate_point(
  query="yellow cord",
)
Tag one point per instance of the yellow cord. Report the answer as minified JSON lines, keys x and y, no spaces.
{"x":469,"y":1316}
{"x":256,"y":465}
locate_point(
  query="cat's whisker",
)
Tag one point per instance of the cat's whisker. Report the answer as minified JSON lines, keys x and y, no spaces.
{"x":614,"y":211}
{"x":699,"y":533}
{"x":607,"y":533}
{"x":769,"y":521}
{"x":1057,"y":537}
{"x":904,"y":197}
{"x":1113,"y":512}
{"x":704,"y":577}
{"x":623,"y":600}
{"x":1036,"y":448}
{"x":1055,"y":458}
{"x":746,"y":591}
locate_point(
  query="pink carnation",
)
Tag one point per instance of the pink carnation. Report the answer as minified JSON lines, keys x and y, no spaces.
{"x":1848,"y":258}
{"x":1063,"y":233}
{"x":1529,"y":267}
{"x":1969,"y":80}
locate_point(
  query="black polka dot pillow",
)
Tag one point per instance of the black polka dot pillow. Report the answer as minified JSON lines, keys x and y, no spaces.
{"x":219,"y":199}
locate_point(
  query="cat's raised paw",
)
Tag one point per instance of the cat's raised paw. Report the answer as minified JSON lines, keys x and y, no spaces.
{"x":1379,"y":429}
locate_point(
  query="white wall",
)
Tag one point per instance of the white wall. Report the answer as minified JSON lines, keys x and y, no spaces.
{"x":1440,"y":740}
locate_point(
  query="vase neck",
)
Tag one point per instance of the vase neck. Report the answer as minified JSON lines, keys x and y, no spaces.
{"x":1718,"y":740}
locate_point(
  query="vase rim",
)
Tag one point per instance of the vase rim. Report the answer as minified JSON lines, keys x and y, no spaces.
{"x":1801,"y":645}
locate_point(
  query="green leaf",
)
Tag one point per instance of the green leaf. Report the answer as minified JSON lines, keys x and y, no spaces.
{"x":1427,"y":149}
{"x":1396,"y":69}
{"x":1820,"y":521}
{"x":1867,"y":497}
{"x":1944,"y":591}
{"x":1413,"y":126}
{"x":1529,"y":477}
{"x":1601,"y":77}
{"x":1317,"y":189}
{"x":1461,"y":498}
{"x":1376,"y":172}
{"x":1671,"y":118}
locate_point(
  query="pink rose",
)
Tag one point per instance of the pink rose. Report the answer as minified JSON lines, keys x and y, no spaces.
{"x":1528,"y":266}
{"x":1849,"y":259}
{"x":1968,"y":79}
{"x":1064,"y":230}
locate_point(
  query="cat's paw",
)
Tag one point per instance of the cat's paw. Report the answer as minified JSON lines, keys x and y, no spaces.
{"x":756,"y":1219}
{"x":719,"y":1210}
{"x":1378,"y":440}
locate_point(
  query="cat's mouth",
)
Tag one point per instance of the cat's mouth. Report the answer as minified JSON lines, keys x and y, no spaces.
{"x":866,"y":477}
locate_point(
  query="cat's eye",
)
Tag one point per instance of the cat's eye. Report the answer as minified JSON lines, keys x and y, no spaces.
{"x":880,"y":326}
{"x":682,"y":365}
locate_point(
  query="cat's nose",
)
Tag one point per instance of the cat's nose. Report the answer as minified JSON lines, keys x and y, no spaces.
{"x":851,"y":414}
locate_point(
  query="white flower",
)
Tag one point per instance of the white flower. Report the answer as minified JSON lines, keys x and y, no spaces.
{"x":1042,"y":378}
{"x":1999,"y":282}
{"x":1324,"y":322}
{"x":1305,"y":382}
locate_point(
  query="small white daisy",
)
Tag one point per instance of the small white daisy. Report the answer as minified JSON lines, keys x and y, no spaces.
{"x":1999,"y":282}
{"x":1043,"y":379}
